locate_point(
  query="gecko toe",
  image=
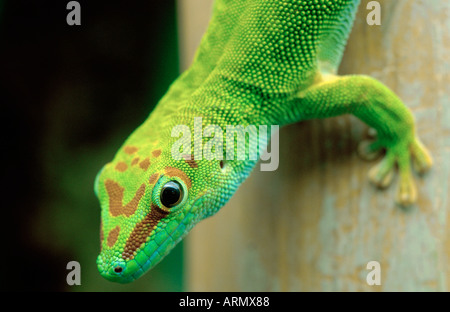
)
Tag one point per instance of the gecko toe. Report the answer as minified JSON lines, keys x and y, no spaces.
{"x":406,"y":192}
{"x":372,"y":133}
{"x":369,"y":150}
{"x":422,"y":160}
{"x":382,"y":174}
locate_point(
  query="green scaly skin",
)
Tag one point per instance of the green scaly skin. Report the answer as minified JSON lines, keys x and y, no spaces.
{"x":259,"y":63}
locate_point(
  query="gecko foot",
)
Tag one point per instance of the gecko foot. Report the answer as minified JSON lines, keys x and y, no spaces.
{"x":400,"y":154}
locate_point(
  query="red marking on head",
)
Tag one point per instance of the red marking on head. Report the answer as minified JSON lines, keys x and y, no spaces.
{"x":121,"y":166}
{"x":142,"y":230}
{"x":144,"y":164}
{"x":156,"y":153}
{"x":130,"y":149}
{"x":153,"y":178}
{"x":171,"y":171}
{"x":112,"y":236}
{"x":135,"y":161}
{"x":189,"y":159}
{"x":115,"y":193}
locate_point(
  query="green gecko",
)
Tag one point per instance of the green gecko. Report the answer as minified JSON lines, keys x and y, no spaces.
{"x":259,"y":63}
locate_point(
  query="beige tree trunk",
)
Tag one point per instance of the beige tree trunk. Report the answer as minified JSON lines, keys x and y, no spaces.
{"x":316,"y":222}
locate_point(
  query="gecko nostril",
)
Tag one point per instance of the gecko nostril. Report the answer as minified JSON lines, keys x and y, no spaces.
{"x":118,"y":269}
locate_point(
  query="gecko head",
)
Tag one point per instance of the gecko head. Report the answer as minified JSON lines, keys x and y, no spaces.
{"x":149,"y":202}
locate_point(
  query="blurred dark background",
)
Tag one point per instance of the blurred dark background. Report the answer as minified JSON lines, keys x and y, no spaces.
{"x":70,"y":96}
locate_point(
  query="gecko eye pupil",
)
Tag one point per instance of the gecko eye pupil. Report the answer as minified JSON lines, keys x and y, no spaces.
{"x":171,"y":194}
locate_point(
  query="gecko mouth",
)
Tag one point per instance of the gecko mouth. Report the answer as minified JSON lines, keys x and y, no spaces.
{"x":125,"y":271}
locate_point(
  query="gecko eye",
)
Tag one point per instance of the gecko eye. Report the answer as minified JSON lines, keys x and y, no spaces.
{"x":171,"y":194}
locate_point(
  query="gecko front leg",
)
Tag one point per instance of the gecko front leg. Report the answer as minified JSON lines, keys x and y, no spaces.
{"x":379,"y":107}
